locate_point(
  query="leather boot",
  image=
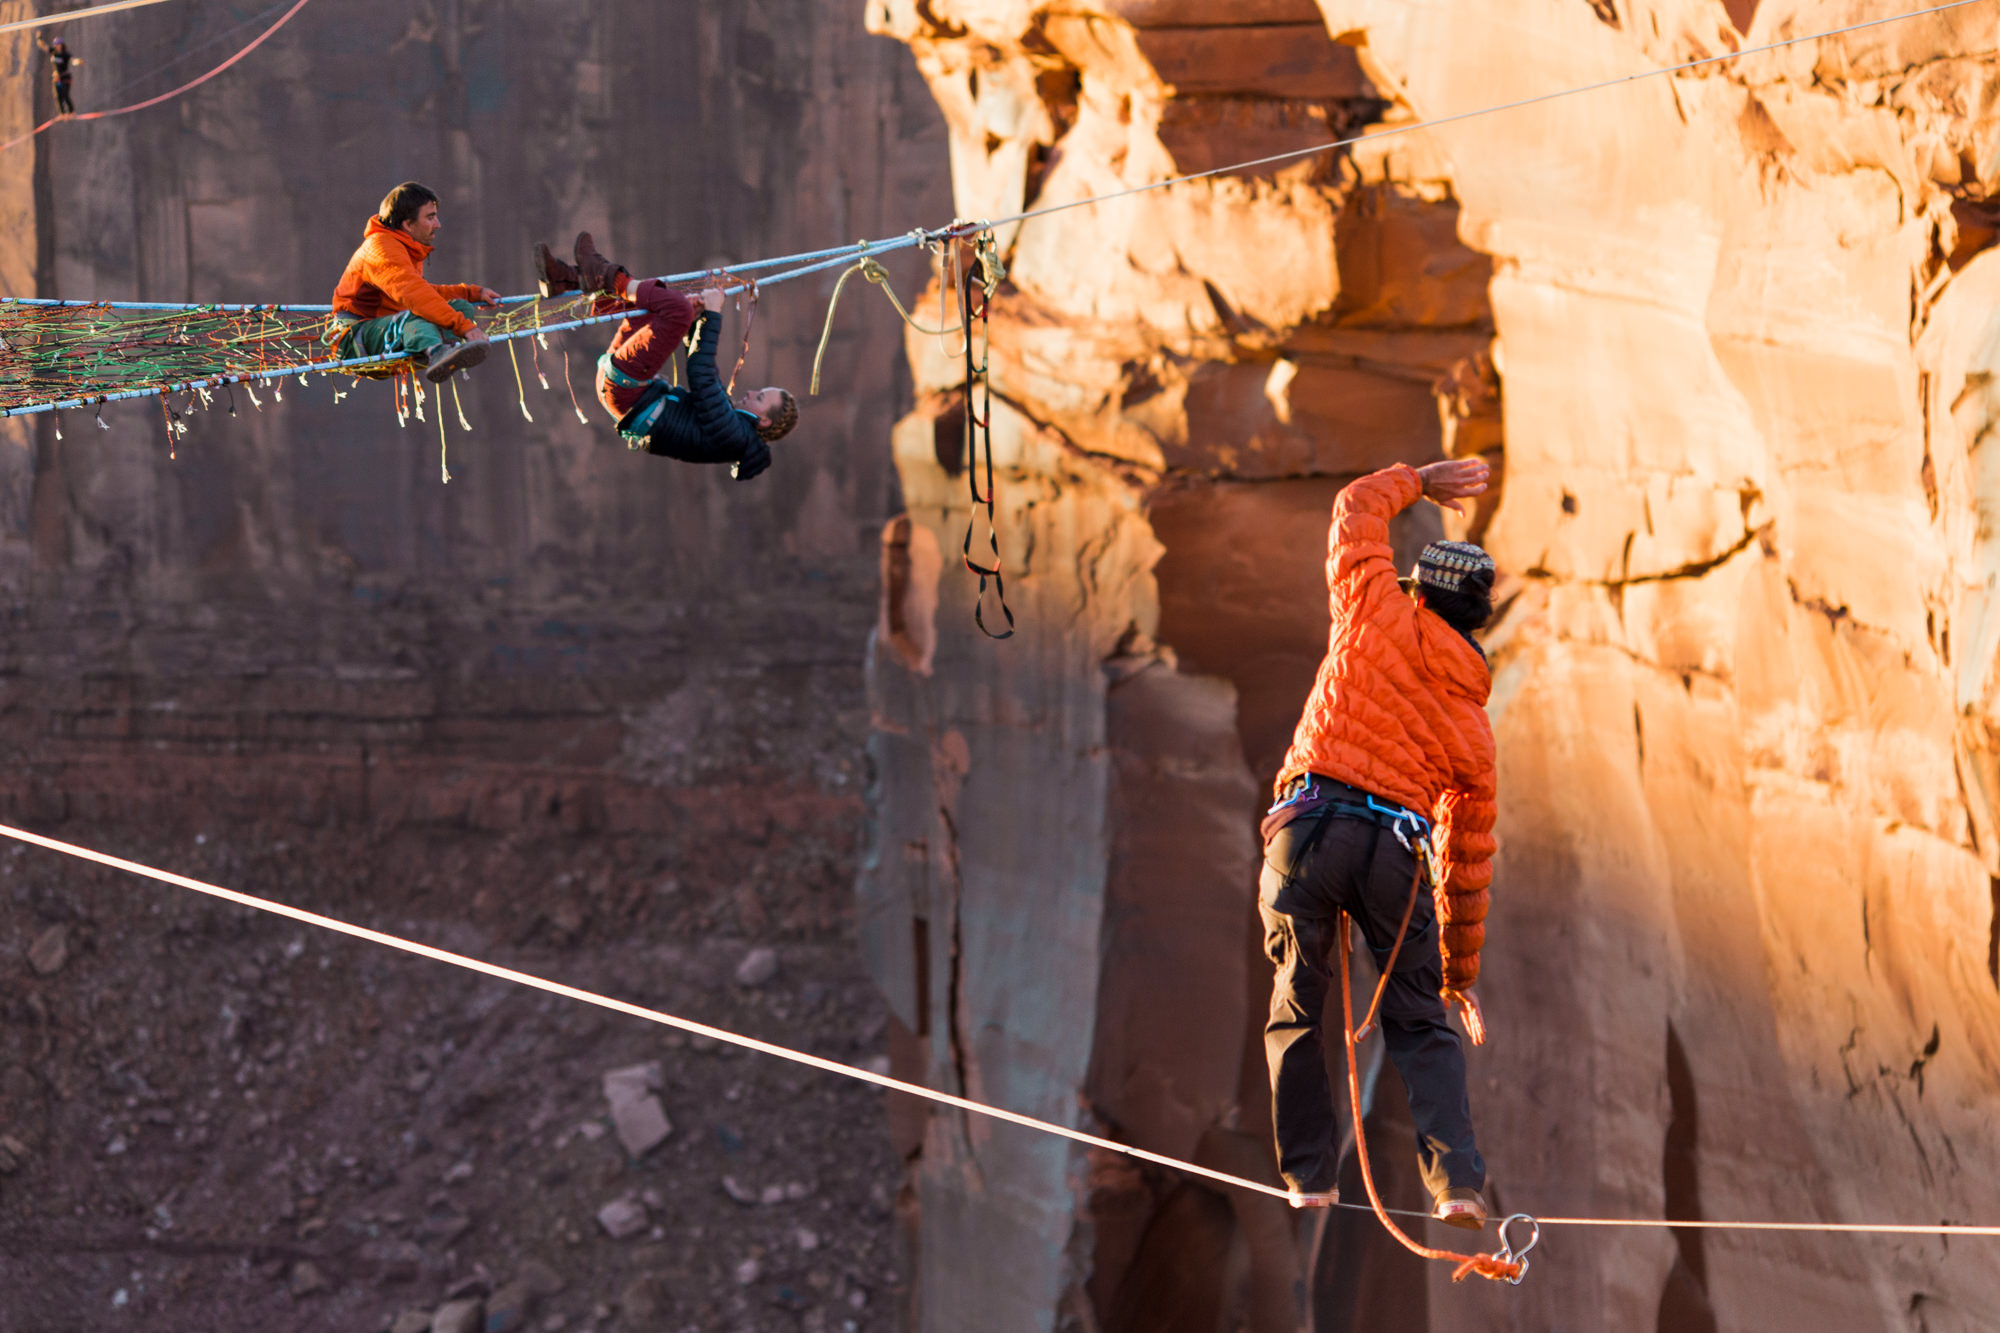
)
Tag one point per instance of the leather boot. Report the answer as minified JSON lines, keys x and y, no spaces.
{"x":556,"y":277}
{"x":593,"y":270}
{"x":447,"y":359}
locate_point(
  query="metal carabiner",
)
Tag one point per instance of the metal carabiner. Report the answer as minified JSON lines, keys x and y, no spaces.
{"x":1507,"y":1254}
{"x":1398,"y":816}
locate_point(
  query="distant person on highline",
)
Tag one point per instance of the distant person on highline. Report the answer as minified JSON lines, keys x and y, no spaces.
{"x":59,"y":62}
{"x":698,"y":424}
{"x":1394,"y":748}
{"x":384,"y":304}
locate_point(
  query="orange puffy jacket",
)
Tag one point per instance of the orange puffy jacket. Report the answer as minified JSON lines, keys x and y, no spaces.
{"x":386,"y":277}
{"x":1399,"y":709}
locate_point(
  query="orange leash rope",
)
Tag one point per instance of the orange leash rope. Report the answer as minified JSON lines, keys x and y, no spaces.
{"x":1402,"y":931}
{"x":1502,"y":1266}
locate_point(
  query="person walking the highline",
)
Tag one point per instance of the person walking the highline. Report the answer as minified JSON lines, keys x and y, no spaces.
{"x":1390,"y":773}
{"x":385,"y":305}
{"x":60,"y":61}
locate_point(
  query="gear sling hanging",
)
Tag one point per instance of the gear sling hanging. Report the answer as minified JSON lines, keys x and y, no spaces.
{"x":977,"y":288}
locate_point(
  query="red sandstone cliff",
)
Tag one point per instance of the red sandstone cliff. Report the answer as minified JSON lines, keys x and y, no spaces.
{"x":1732,"y":335}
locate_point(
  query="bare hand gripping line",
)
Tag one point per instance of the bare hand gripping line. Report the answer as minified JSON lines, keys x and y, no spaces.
{"x":869,"y":1076}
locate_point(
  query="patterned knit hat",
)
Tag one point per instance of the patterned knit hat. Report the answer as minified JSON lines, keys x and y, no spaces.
{"x":1448,"y":566}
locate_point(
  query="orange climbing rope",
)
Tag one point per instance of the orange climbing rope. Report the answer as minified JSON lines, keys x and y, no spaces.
{"x":1503,"y":1266}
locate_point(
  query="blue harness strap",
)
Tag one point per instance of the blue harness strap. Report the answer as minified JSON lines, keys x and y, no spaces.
{"x":636,"y":426}
{"x":617,"y":376}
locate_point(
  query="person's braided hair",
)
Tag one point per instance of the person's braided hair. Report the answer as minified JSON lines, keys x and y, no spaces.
{"x":782,"y":420}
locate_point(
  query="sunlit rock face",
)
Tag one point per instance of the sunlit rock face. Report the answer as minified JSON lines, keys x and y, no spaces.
{"x":1733,"y":335}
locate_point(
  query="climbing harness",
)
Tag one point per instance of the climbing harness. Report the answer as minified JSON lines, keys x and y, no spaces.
{"x":636,"y":426}
{"x":976,"y":293}
{"x":609,"y":369}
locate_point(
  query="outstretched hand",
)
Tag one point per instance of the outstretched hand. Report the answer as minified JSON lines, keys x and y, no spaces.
{"x":1454,"y":479}
{"x":711,"y":300}
{"x":489,"y":298}
{"x":1469,"y":1013}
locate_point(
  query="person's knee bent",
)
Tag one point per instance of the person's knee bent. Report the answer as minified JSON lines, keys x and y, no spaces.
{"x":418,"y":335}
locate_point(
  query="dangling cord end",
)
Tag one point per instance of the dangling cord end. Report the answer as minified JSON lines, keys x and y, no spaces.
{"x":571,"y":386}
{"x":520,"y":389}
{"x":463,"y":424}
{"x":444,"y":460}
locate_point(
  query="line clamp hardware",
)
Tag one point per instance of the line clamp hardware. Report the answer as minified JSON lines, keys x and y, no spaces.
{"x":1507,"y":1254}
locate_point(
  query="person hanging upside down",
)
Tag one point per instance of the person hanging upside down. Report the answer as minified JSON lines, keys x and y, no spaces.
{"x":1394,"y":749}
{"x":698,"y":424}
{"x":384,"y":304}
{"x":59,"y":62}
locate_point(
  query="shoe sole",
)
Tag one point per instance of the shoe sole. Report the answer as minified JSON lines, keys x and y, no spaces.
{"x":550,"y":286}
{"x":1328,"y":1199}
{"x":1464,"y":1221}
{"x":464,"y":356}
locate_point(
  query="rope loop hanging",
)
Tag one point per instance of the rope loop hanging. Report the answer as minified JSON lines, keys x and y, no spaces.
{"x":749,"y":323}
{"x":869,"y":268}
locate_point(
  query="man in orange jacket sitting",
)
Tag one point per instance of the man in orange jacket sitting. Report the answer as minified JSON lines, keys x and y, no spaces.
{"x":1394,"y":750}
{"x":384,"y":305}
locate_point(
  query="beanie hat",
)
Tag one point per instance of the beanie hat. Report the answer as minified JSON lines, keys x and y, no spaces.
{"x":1450,"y":566}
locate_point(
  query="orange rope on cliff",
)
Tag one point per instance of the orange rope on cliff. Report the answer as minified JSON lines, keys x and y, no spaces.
{"x":898,"y":1085}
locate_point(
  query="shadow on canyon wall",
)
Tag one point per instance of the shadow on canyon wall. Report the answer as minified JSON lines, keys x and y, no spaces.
{"x":583,"y":710}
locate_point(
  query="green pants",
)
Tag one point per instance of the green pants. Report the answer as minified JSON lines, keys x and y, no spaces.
{"x":401,"y":333}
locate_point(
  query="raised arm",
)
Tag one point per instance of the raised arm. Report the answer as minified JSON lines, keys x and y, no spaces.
{"x":705,"y":391}
{"x":1357,"y":544}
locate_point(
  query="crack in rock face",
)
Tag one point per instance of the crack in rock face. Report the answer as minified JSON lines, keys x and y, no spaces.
{"x":1729,"y":338}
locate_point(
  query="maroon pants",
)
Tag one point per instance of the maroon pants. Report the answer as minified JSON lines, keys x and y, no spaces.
{"x":645,"y":342}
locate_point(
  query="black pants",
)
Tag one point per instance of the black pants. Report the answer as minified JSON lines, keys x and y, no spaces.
{"x":1313,"y":869}
{"x":63,"y":106}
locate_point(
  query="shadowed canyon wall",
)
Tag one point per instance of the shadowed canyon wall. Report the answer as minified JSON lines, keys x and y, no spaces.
{"x":297,"y":579}
{"x":1730,"y":337}
{"x":592,"y":713}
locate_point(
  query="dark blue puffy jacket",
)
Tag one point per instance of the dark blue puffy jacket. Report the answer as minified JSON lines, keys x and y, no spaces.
{"x":698,"y":424}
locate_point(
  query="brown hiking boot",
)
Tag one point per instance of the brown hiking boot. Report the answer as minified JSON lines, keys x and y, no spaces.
{"x":557,"y":277}
{"x":593,"y":270}
{"x":447,"y":360}
{"x":1460,"y":1207}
